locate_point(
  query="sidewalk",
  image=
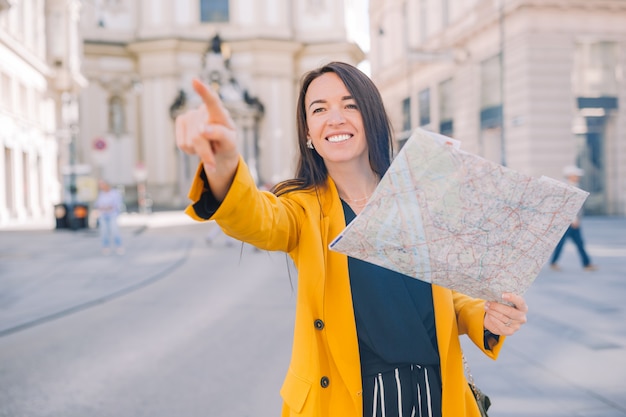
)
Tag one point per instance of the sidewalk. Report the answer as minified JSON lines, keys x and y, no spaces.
{"x":45,"y":273}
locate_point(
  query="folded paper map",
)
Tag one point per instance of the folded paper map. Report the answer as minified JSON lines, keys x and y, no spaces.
{"x":457,"y":220}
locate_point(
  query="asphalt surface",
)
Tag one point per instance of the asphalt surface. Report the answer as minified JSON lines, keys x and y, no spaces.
{"x":47,"y":273}
{"x":568,"y":360}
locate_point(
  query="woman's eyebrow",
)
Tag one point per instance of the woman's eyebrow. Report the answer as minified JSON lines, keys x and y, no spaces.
{"x":317,"y":102}
{"x":322,"y":101}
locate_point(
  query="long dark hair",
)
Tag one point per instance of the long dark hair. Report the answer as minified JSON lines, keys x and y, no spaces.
{"x":311,"y":171}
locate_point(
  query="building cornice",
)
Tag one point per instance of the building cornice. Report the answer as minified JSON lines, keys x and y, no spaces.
{"x":613,"y":5}
{"x":486,"y":14}
{"x":6,"y":5}
{"x":199,"y":46}
{"x":105,"y":48}
{"x":24,"y":54}
{"x":267,"y":44}
{"x":332,"y":48}
{"x":168,"y":44}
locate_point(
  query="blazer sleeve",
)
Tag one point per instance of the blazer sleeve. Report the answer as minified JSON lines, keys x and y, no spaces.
{"x":470,"y":314}
{"x":247,"y":213}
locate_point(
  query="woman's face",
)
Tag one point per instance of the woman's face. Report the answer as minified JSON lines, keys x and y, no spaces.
{"x":334,"y":121}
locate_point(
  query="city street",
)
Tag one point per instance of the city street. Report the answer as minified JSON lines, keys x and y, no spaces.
{"x":174,"y":327}
{"x":179,"y":326}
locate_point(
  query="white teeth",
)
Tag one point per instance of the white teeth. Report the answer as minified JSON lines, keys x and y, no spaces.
{"x":339,"y":138}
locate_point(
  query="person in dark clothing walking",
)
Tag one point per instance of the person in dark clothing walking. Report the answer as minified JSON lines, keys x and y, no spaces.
{"x":573,"y":175}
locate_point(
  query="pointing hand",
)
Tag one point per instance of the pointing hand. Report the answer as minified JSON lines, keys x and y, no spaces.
{"x":210,"y":133}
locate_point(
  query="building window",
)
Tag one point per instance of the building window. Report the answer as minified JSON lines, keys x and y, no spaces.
{"x":406,"y":122}
{"x":25,"y":100}
{"x":490,"y":93}
{"x":117,"y":117}
{"x":423,"y":20}
{"x":445,"y":13}
{"x":446,"y":110}
{"x":491,"y":132}
{"x":6,"y":92}
{"x":424,"y":106}
{"x":596,"y":84}
{"x":26,"y":182}
{"x":595,"y":69}
{"x":214,"y":11}
{"x":406,"y":114}
{"x":9,"y":196}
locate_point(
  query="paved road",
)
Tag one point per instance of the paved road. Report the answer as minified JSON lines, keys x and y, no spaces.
{"x":569,"y":360}
{"x":175,"y":327}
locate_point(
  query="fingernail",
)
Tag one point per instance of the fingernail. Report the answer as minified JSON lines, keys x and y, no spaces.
{"x":208,"y":129}
{"x":487,"y":305}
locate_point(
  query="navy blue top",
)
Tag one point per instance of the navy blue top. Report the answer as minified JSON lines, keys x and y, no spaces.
{"x":394,"y":314}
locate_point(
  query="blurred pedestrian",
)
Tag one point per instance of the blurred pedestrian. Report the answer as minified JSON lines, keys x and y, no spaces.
{"x":109,"y":205}
{"x":572,"y":175}
{"x":367,"y":340}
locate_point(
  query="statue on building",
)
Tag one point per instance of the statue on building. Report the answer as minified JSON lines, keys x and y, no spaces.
{"x":179,"y":104}
{"x":246,"y":110}
{"x":216,"y":44}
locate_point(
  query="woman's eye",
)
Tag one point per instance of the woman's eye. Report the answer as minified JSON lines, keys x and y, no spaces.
{"x":352,"y":106}
{"x":318,"y":110}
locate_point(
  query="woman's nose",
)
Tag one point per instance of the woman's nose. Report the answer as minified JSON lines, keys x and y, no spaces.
{"x":335,"y":117}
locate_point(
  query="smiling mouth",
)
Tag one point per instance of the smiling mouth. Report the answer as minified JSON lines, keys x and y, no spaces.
{"x":338,"y":138}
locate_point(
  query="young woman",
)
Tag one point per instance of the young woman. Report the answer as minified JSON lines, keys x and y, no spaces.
{"x":367,"y":341}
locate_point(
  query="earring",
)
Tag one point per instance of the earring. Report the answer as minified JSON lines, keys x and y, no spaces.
{"x":309,"y":144}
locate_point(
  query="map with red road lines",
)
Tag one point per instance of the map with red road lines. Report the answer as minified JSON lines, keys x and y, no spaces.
{"x":457,"y":220}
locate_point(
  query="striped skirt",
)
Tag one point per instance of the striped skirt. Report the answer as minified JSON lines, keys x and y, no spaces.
{"x":409,"y":391}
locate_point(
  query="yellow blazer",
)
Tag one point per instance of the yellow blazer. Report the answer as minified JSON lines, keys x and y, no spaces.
{"x":324,"y":375}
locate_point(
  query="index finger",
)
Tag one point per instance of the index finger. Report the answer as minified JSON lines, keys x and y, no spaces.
{"x":217,"y":113}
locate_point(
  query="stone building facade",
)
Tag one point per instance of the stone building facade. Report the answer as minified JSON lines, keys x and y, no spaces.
{"x":39,"y":79}
{"x":535,"y":85}
{"x":140,"y":58}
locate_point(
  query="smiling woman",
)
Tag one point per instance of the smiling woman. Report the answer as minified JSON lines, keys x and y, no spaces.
{"x":335,"y":127}
{"x":367,"y":341}
{"x":363,"y":106}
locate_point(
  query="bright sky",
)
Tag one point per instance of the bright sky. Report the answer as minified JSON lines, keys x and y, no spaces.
{"x":358,"y":22}
{"x":358,"y":27}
